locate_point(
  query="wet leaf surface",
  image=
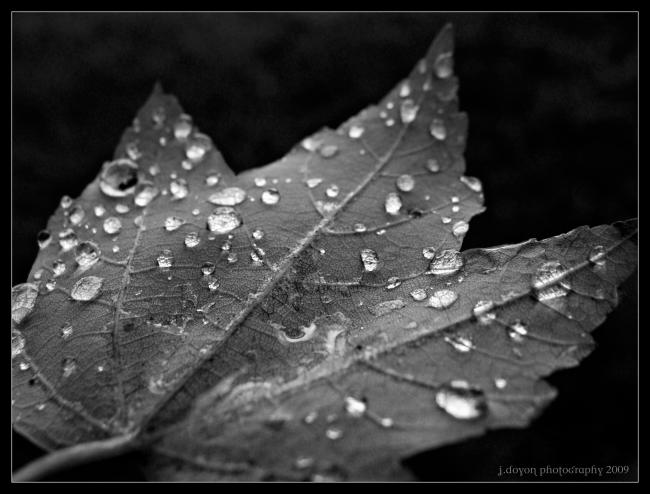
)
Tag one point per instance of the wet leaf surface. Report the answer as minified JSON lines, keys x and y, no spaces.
{"x":311,"y":319}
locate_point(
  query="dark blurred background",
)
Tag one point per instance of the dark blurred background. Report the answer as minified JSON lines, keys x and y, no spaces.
{"x":552,"y":101}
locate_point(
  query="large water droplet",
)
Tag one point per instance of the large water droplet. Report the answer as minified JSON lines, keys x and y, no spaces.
{"x":119,"y":178}
{"x":370,"y":259}
{"x":43,"y":238}
{"x":182,"y":128}
{"x":405,"y":183}
{"x":408,"y":111}
{"x":145,"y":193}
{"x":442,"y":299}
{"x":230,"y":196}
{"x":355,"y":408}
{"x":271,"y":197}
{"x":393,"y":203}
{"x":444,"y":65}
{"x":192,"y":239}
{"x":23,"y":299}
{"x":112,"y":225}
{"x":87,"y":288}
{"x":165,"y":259}
{"x":173,"y":223}
{"x":86,"y":254}
{"x":178,"y":188}
{"x":462,"y":401}
{"x":224,"y":220}
{"x":449,"y":261}
{"x":68,"y":239}
{"x":438,"y":129}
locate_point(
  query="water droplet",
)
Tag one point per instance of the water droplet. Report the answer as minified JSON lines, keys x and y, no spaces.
{"x":355,"y":408}
{"x":460,"y":228}
{"x":393,"y":203}
{"x":207,"y":269}
{"x":121,"y":208}
{"x":213,"y":284}
{"x":359,"y":227}
{"x":597,"y":255}
{"x":158,"y":116}
{"x":428,"y":252}
{"x":212,"y":180}
{"x":154,"y":169}
{"x":119,"y":178}
{"x":460,"y":343}
{"x":271,"y":197}
{"x":462,"y":401}
{"x":112,"y":225}
{"x":66,"y":330}
{"x":69,"y":366}
{"x":17,"y":344}
{"x":329,"y":151}
{"x":303,"y":462}
{"x":178,"y":188}
{"x":449,"y":261}
{"x":517,"y":331}
{"x":310,"y":144}
{"x":192,"y":239}
{"x":66,"y":202}
{"x":224,"y":220}
{"x":356,"y":131}
{"x":145,"y":193}
{"x":58,"y":267}
{"x":369,"y":259}
{"x":198,"y":147}
{"x":68,"y":239}
{"x":165,"y":259}
{"x":173,"y":223}
{"x":313,"y":182}
{"x":500,"y":383}
{"x":408,"y":111}
{"x":86,"y":254}
{"x":87,"y":288}
{"x":257,"y":256}
{"x":422,"y":66}
{"x":43,"y":238}
{"x":386,"y":307}
{"x":332,"y":191}
{"x":548,"y":281}
{"x":455,"y":199}
{"x":405,"y":183}
{"x":50,"y":285}
{"x":99,"y":211}
{"x":182,"y":129}
{"x":419,"y":294}
{"x":38,"y":274}
{"x":230,"y":196}
{"x":445,"y":219}
{"x":232,"y":257}
{"x":76,"y":215}
{"x":405,"y":89}
{"x":432,"y":165}
{"x":444,"y":65}
{"x":483,"y":311}
{"x":473,"y":183}
{"x":333,"y":433}
{"x":23,"y":366}
{"x":438,"y":129}
{"x":23,"y":299}
{"x":393,"y":282}
{"x":132,"y":151}
{"x":390,"y":122}
{"x":442,"y":299}
{"x":258,"y":234}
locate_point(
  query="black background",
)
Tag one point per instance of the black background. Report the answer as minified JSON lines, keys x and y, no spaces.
{"x":552,"y":101}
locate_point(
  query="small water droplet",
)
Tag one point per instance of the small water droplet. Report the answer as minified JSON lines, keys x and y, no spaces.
{"x":462,"y":401}
{"x":355,"y":408}
{"x":419,"y":294}
{"x":198,"y":147}
{"x":99,"y":211}
{"x":112,"y":225}
{"x":483,"y":311}
{"x":68,"y":239}
{"x":173,"y":223}
{"x":38,"y":274}
{"x":448,"y":262}
{"x":303,"y":462}
{"x":549,"y":281}
{"x":444,"y":65}
{"x":132,"y":151}
{"x":405,"y":89}
{"x":58,"y":267}
{"x":408,"y":111}
{"x":230,"y":196}
{"x":182,"y":129}
{"x":23,"y":299}
{"x":257,"y":256}
{"x":119,"y":178}
{"x":271,"y":197}
{"x":178,"y":188}
{"x":50,"y":285}
{"x":207,"y":269}
{"x":405,"y":183}
{"x":422,"y":66}
{"x":438,"y":129}
{"x":212,"y":180}
{"x":23,"y":366}
{"x":442,"y":299}
{"x":370,"y":259}
{"x":258,"y":234}
{"x":333,"y":433}
{"x":43,"y":238}
{"x":460,"y":228}
{"x":192,"y":239}
{"x":332,"y":191}
{"x":329,"y":151}
{"x":145,"y":192}
{"x":393,"y":203}
{"x":428,"y":252}
{"x":432,"y":165}
{"x":356,"y":131}
{"x":17,"y":344}
{"x":154,"y":169}
{"x":310,"y":144}
{"x":232,"y":257}
{"x":597,"y":255}
{"x":517,"y":331}
{"x":69,"y":366}
{"x":213,"y":284}
{"x":165,"y":259}
{"x":313,"y":182}
{"x":393,"y":282}
{"x":473,"y":183}
{"x":122,"y":208}
{"x":66,"y":330}
{"x":359,"y":227}
{"x":86,"y":254}
{"x":460,"y":343}
{"x":66,"y":202}
{"x":390,"y":122}
{"x":224,"y":220}
{"x":87,"y":288}
{"x":500,"y":383}
{"x":76,"y":215}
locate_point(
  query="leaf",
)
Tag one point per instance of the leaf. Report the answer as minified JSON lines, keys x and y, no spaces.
{"x":272,"y":324}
